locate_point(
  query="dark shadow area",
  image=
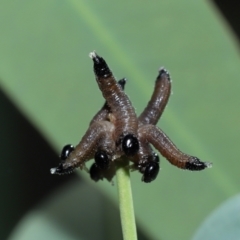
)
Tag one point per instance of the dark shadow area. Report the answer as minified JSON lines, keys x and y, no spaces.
{"x":230,"y":11}
{"x":26,"y":158}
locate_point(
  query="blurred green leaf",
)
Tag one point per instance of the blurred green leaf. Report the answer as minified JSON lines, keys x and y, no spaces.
{"x":45,"y":69}
{"x":223,"y":223}
{"x":64,"y":217}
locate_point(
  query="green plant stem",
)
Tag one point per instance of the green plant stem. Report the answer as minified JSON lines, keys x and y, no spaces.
{"x":125,"y":201}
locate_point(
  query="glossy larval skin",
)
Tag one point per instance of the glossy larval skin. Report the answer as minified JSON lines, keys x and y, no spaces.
{"x":115,"y":132}
{"x":125,"y":118}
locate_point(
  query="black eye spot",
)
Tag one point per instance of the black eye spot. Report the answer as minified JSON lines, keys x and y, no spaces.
{"x":102,"y":159}
{"x":151,"y":172}
{"x":130,"y":145}
{"x":95,"y":173}
{"x":66,"y":151}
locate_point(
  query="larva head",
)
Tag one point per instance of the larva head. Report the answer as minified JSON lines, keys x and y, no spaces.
{"x":130,"y":145}
{"x":66,"y":151}
{"x":102,"y":159}
{"x":95,"y":173}
{"x":122,"y":83}
{"x":194,"y":164}
{"x":150,"y":172}
{"x":61,"y":170}
{"x":163,"y":73}
{"x":100,"y":66}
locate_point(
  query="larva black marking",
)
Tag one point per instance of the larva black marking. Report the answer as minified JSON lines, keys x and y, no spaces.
{"x":97,"y":174}
{"x":102,"y":159}
{"x":150,"y":172}
{"x":67,"y":149}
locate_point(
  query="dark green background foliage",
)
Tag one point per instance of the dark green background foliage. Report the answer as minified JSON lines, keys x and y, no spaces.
{"x":47,"y":74}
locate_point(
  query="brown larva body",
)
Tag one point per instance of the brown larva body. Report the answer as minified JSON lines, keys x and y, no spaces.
{"x":98,"y":136}
{"x":126,"y":122}
{"x":125,"y":117}
{"x":168,"y":149}
{"x":159,"y":99}
{"x":103,"y":113}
